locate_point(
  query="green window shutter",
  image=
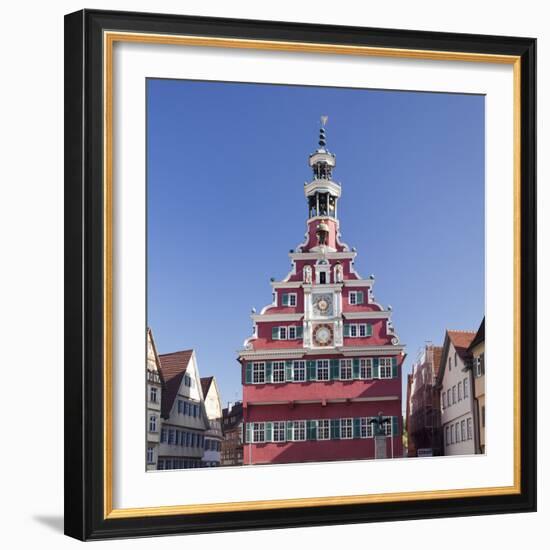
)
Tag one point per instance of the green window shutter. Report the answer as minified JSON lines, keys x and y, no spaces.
{"x":394,"y":367}
{"x":356,"y":371}
{"x":269,"y":431}
{"x":288,"y":371}
{"x":274,"y":333}
{"x":311,"y":370}
{"x":346,"y":329}
{"x":369,"y":329}
{"x":268,"y":372}
{"x":284,"y":299}
{"x":289,"y":425}
{"x":395,"y":425}
{"x":312,"y":429}
{"x":299,"y":332}
{"x":334,"y":369}
{"x":248,"y":376}
{"x":335,"y":428}
{"x":248,"y":433}
{"x":356,"y":427}
{"x":375,"y":369}
{"x":360,"y":297}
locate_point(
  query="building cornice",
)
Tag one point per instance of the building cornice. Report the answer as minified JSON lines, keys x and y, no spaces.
{"x":298,"y":353}
{"x":286,"y":284}
{"x":324,"y":401}
{"x":259,"y":318}
{"x":366,"y":314}
{"x":319,"y":255}
{"x":359,"y":282}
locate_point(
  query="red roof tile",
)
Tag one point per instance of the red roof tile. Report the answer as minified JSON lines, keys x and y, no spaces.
{"x":205,"y":384}
{"x":461,"y":340}
{"x":172,"y":369}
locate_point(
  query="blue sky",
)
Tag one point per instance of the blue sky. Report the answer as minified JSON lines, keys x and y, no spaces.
{"x":226,"y":168}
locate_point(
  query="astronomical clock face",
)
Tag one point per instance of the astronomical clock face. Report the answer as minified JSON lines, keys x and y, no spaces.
{"x":323,"y":335}
{"x":322,"y":304}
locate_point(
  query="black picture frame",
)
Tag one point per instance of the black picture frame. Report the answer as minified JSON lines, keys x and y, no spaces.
{"x":84,"y":282}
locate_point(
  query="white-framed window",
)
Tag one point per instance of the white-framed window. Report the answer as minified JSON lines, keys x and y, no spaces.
{"x":352,"y":298}
{"x":449,"y":397}
{"x":279,"y":371}
{"x":387,"y":426}
{"x":362,"y":331}
{"x":444,"y":401}
{"x":258,"y":373}
{"x":258,"y":432}
{"x":288,"y":299}
{"x":447,"y":437}
{"x":323,"y":429}
{"x":323,"y":369}
{"x":459,"y":391}
{"x":292,"y":333}
{"x":346,"y":428}
{"x":366,"y":427}
{"x":457,"y":432}
{"x":456,"y":359}
{"x":153,"y":423}
{"x":346,"y":369}
{"x":449,"y":363}
{"x":466,"y":388}
{"x":365,"y":368}
{"x":153,"y":394}
{"x":278,"y":431}
{"x":353,"y":331}
{"x":454,"y":395}
{"x":299,"y":430}
{"x":171,"y":436}
{"x":299,"y":371}
{"x":469,"y":428}
{"x":451,"y":428}
{"x":150,"y":455}
{"x":385,"y":364}
{"x":282,"y":333}
{"x":463,"y":429}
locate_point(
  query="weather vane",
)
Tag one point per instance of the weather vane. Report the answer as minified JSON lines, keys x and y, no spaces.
{"x":324,"y":120}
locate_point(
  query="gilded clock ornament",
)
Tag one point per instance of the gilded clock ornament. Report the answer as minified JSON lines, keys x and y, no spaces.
{"x":323,"y":335}
{"x":322,"y":304}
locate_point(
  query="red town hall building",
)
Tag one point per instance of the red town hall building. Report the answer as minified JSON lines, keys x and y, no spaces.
{"x":323,"y":359}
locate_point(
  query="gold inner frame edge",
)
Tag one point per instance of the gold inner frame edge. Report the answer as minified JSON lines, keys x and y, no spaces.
{"x":109,"y":39}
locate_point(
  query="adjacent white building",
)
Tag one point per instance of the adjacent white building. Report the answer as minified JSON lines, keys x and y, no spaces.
{"x":153,"y":400}
{"x":184,"y":419}
{"x":455,"y":383}
{"x":214,"y":435}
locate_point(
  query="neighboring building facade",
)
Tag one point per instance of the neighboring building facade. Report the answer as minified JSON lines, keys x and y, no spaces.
{"x":423,"y":407}
{"x":184,"y":417}
{"x":455,"y":383}
{"x":323,"y":359}
{"x":213,"y":437}
{"x":477,"y":350}
{"x":153,"y":398}
{"x":232,"y":444}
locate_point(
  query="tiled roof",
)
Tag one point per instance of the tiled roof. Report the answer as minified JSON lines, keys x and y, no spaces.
{"x":437,"y":353}
{"x":461,"y":340}
{"x":172,"y":369}
{"x":205,"y":384}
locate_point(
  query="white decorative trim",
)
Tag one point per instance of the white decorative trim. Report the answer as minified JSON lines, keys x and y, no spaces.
{"x":367,"y":314}
{"x":276,"y":317}
{"x":359,"y":282}
{"x":318,"y":256}
{"x":286,"y":284}
{"x":327,"y":186}
{"x":365,"y":351}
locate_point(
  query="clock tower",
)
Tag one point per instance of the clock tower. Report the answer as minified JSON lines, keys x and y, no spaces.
{"x":324,"y":358}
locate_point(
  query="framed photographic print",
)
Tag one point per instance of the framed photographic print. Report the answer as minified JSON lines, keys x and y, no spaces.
{"x":243,"y":202}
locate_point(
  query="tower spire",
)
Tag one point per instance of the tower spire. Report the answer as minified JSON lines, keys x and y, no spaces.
{"x":322,"y":192}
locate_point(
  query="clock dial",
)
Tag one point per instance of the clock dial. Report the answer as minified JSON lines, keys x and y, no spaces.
{"x":323,"y":335}
{"x":322,"y":304}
